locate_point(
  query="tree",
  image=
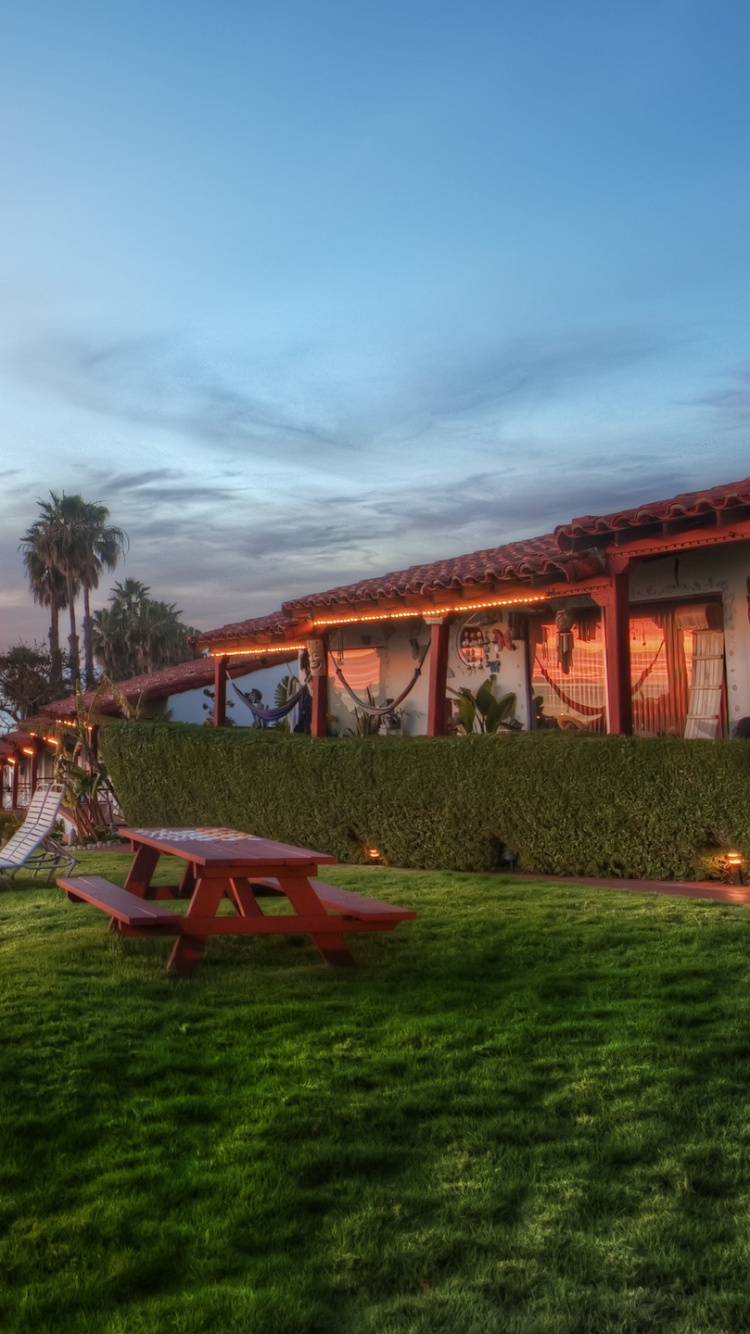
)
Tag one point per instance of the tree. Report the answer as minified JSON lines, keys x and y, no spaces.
{"x":27,"y":680}
{"x":137,"y":634}
{"x":48,"y":588}
{"x":101,"y":547}
{"x":72,"y":538}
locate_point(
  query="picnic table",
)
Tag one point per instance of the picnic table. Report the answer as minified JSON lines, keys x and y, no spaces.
{"x":241,"y":868}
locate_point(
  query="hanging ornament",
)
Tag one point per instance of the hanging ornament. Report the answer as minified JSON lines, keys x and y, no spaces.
{"x":564,"y":624}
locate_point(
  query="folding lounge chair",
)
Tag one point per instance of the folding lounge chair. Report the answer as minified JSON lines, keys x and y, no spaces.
{"x":32,"y":847}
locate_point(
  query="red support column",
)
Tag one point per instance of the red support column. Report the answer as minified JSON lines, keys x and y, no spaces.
{"x":318,"y":653}
{"x":220,"y":692}
{"x":438,"y":664}
{"x":615,"y":604}
{"x":14,"y":788}
{"x":34,"y":772}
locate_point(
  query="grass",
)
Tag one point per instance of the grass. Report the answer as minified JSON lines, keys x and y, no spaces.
{"x":526,"y":1112}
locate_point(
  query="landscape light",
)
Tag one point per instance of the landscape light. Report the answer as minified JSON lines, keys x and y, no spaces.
{"x":735,"y":861}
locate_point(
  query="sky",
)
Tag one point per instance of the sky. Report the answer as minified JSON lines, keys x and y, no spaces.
{"x":310,"y":290}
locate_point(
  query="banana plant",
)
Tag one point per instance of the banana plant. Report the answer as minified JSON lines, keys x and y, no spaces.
{"x":482,"y":711}
{"x":287,"y":686}
{"x":77,"y":762}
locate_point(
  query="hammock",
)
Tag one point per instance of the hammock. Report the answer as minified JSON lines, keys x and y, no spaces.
{"x":263,"y":715}
{"x":647,"y":670}
{"x":590,"y":709}
{"x":380,"y":710}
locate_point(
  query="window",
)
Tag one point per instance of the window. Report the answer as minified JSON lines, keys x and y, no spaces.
{"x":677,"y":670}
{"x":568,"y":680}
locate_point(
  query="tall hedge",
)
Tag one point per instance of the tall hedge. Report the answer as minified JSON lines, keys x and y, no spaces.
{"x":567,"y":804}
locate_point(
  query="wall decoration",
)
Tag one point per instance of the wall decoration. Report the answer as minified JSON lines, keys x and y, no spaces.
{"x":479,"y":641}
{"x":564,"y":624}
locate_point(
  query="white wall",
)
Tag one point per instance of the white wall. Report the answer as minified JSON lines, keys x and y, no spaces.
{"x":188,"y":707}
{"x":400,"y":645}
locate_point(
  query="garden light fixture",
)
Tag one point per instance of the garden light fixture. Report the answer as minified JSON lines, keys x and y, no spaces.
{"x":735,"y":862}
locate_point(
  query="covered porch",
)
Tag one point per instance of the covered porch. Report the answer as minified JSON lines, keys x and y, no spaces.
{"x":625,"y":622}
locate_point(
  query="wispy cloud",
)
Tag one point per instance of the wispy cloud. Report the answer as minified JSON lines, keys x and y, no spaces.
{"x":732,"y":404}
{"x":161,"y":383}
{"x":260,"y":499}
{"x":157,"y":383}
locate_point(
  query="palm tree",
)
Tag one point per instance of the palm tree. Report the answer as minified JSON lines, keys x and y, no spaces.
{"x":101,"y":547}
{"x":72,"y":535}
{"x":137,"y":634}
{"x":48,"y":588}
{"x":115,"y":630}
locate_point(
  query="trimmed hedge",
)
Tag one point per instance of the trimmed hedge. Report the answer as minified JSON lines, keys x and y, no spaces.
{"x":567,"y":804}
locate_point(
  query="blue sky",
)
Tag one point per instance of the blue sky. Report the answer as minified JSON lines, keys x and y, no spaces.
{"x":306,"y":291}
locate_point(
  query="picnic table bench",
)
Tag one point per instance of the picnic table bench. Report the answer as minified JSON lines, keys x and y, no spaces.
{"x":226,"y":864}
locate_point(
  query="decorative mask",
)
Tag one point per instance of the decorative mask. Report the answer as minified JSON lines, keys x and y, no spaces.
{"x":316,"y":650}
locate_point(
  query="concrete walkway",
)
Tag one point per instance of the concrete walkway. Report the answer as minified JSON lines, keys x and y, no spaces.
{"x":686,"y":889}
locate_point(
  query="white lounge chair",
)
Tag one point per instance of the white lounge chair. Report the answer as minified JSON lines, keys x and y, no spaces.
{"x":32,"y":847}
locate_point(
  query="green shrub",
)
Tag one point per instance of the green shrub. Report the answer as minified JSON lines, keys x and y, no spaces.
{"x":567,"y":804}
{"x":10,"y":821}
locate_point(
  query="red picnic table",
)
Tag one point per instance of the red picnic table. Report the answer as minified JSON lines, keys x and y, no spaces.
{"x":227,"y":864}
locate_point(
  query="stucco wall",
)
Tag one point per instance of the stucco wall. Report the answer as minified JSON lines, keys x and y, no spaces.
{"x":188,"y":707}
{"x":399,"y":646}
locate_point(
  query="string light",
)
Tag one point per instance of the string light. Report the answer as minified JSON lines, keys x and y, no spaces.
{"x":526,"y":600}
{"x":256,"y":652}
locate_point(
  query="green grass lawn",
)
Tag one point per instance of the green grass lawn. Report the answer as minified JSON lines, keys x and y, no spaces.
{"x":526,"y":1112}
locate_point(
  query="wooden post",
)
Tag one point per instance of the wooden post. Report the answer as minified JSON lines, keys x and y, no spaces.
{"x":615,"y":604}
{"x":34,"y":772}
{"x":319,"y":669}
{"x":14,"y":788}
{"x":220,"y":692}
{"x":438,"y":663}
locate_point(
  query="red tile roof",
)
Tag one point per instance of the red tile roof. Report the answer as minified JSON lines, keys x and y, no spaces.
{"x":169,"y":681}
{"x":276,"y":624}
{"x":691,"y":505}
{"x":515,"y":560}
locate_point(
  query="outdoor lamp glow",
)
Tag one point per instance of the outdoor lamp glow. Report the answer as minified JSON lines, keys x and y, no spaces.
{"x":735,"y":861}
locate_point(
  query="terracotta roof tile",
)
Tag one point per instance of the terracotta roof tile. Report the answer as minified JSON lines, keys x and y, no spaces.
{"x":514,"y":560}
{"x":159,"y":685}
{"x":275,"y":623}
{"x":692,"y":504}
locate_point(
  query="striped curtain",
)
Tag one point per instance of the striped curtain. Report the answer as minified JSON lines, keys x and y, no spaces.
{"x":665,"y":645}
